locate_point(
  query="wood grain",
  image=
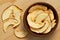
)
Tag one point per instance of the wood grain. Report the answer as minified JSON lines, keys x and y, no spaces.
{"x":24,"y":4}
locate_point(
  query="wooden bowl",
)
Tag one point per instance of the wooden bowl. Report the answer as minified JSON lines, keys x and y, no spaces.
{"x":26,"y":25}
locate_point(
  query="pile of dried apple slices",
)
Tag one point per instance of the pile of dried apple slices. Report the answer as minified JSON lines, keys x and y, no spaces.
{"x":12,"y":17}
{"x":41,"y":19}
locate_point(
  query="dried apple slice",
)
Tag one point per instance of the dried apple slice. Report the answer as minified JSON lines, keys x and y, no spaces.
{"x":42,"y":29}
{"x":53,"y":23}
{"x":17,"y":14}
{"x":33,"y":24}
{"x":34,"y":14}
{"x":6,"y":14}
{"x":13,"y":13}
{"x":36,"y":19}
{"x":20,"y":32}
{"x":50,"y":26}
{"x":37,"y":7}
{"x":41,"y":17}
{"x":51,"y":15}
{"x":9,"y":23}
{"x":48,"y":30}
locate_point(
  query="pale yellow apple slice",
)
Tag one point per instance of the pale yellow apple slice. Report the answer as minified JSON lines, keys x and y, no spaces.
{"x":11,"y":14}
{"x":42,"y":29}
{"x":53,"y":25}
{"x":17,"y":13}
{"x":41,"y":17}
{"x":13,"y":11}
{"x":33,"y":24}
{"x":34,"y":14}
{"x":51,"y":15}
{"x":48,"y":29}
{"x":21,"y":33}
{"x":6,"y":14}
{"x":48,"y":19}
{"x":53,"y":21}
{"x":37,"y":7}
{"x":9,"y":23}
{"x":50,"y":26}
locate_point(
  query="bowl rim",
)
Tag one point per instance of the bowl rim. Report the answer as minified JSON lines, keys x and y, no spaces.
{"x":26,"y":25}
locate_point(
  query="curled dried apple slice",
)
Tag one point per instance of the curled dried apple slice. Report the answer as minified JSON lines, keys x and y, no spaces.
{"x":53,"y":23}
{"x":9,"y":23}
{"x":31,"y":18}
{"x":34,"y":14}
{"x":37,"y":7}
{"x":51,"y":15}
{"x":11,"y":13}
{"x":17,"y":13}
{"x":42,"y":29}
{"x":37,"y":17}
{"x":48,"y":30}
{"x":21,"y":33}
{"x":33,"y":24}
{"x":50,"y":26}
{"x":6,"y":14}
{"x":41,"y":17}
{"x":48,"y":19}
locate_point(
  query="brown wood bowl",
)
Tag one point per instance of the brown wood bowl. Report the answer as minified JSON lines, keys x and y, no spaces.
{"x":26,"y":25}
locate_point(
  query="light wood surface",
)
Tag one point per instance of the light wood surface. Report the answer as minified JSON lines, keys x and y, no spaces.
{"x":24,"y":4}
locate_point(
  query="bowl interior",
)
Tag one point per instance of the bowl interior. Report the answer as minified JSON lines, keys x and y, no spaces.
{"x":26,"y":13}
